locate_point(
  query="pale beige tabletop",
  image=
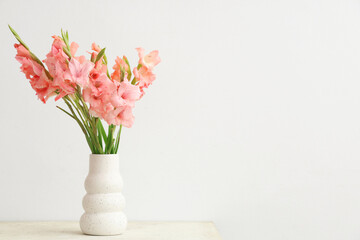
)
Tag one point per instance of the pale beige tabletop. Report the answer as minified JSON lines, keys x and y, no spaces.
{"x":135,"y":231}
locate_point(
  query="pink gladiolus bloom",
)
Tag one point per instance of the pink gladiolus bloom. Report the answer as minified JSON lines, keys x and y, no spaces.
{"x":42,"y":85}
{"x":144,"y":76}
{"x":120,"y":64}
{"x":150,"y":60}
{"x":116,"y":107}
{"x":67,"y":74}
{"x":111,"y":98}
{"x":125,"y":94}
{"x":123,"y":100}
{"x":100,"y":84}
{"x":56,"y":61}
{"x":79,"y":72}
{"x":99,"y":104}
{"x":99,"y":66}
{"x":28,"y":66}
{"x":73,"y":48}
{"x":98,"y":94}
{"x":120,"y":116}
{"x":56,"y":58}
{"x":95,"y":47}
{"x":99,"y":91}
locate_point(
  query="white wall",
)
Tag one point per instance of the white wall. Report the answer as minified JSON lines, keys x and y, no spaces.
{"x":253,"y":122}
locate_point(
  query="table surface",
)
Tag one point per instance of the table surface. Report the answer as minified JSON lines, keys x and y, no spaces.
{"x":135,"y":230}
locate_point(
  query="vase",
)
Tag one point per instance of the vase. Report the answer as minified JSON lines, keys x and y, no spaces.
{"x":103,"y":202}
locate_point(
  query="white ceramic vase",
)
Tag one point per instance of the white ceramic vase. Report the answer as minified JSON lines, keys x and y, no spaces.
{"x":103,"y":203}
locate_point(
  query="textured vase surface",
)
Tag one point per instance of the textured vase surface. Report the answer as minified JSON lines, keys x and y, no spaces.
{"x":103,"y":203}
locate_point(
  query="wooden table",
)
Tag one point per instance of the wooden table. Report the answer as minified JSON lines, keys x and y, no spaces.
{"x":135,"y":231}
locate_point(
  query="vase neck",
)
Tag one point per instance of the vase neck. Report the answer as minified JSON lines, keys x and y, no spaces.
{"x":103,"y":163}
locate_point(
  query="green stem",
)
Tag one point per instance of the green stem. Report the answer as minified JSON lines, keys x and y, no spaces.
{"x":110,"y":140}
{"x":117,"y":140}
{"x":88,"y":138}
{"x":91,"y":120}
{"x":85,"y":123}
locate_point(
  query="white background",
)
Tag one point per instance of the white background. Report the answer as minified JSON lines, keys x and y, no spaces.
{"x":253,"y":121}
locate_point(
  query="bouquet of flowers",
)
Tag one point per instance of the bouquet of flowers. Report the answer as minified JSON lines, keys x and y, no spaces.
{"x":88,"y":89}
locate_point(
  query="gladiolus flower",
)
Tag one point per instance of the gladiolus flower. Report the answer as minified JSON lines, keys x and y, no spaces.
{"x":150,"y":60}
{"x":120,"y":70}
{"x":79,"y":72}
{"x":111,"y":98}
{"x":120,"y":116}
{"x":144,"y":76}
{"x":39,"y":81}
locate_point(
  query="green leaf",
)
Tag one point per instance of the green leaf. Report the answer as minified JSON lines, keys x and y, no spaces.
{"x":117,"y":140}
{"x":36,"y":59}
{"x":18,"y":37}
{"x":100,"y":138}
{"x":62,"y":34}
{"x":105,"y":59}
{"x":110,"y":151}
{"x":73,"y":115}
{"x":92,"y":58}
{"x":67,"y":35}
{"x":133,"y":82}
{"x":67,"y":52}
{"x":65,"y":111}
{"x":98,"y":132}
{"x":110,"y":139}
{"x":65,"y":38}
{"x":122,"y":75}
{"x":129,"y":69}
{"x":101,"y":129}
{"x":99,"y":56}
